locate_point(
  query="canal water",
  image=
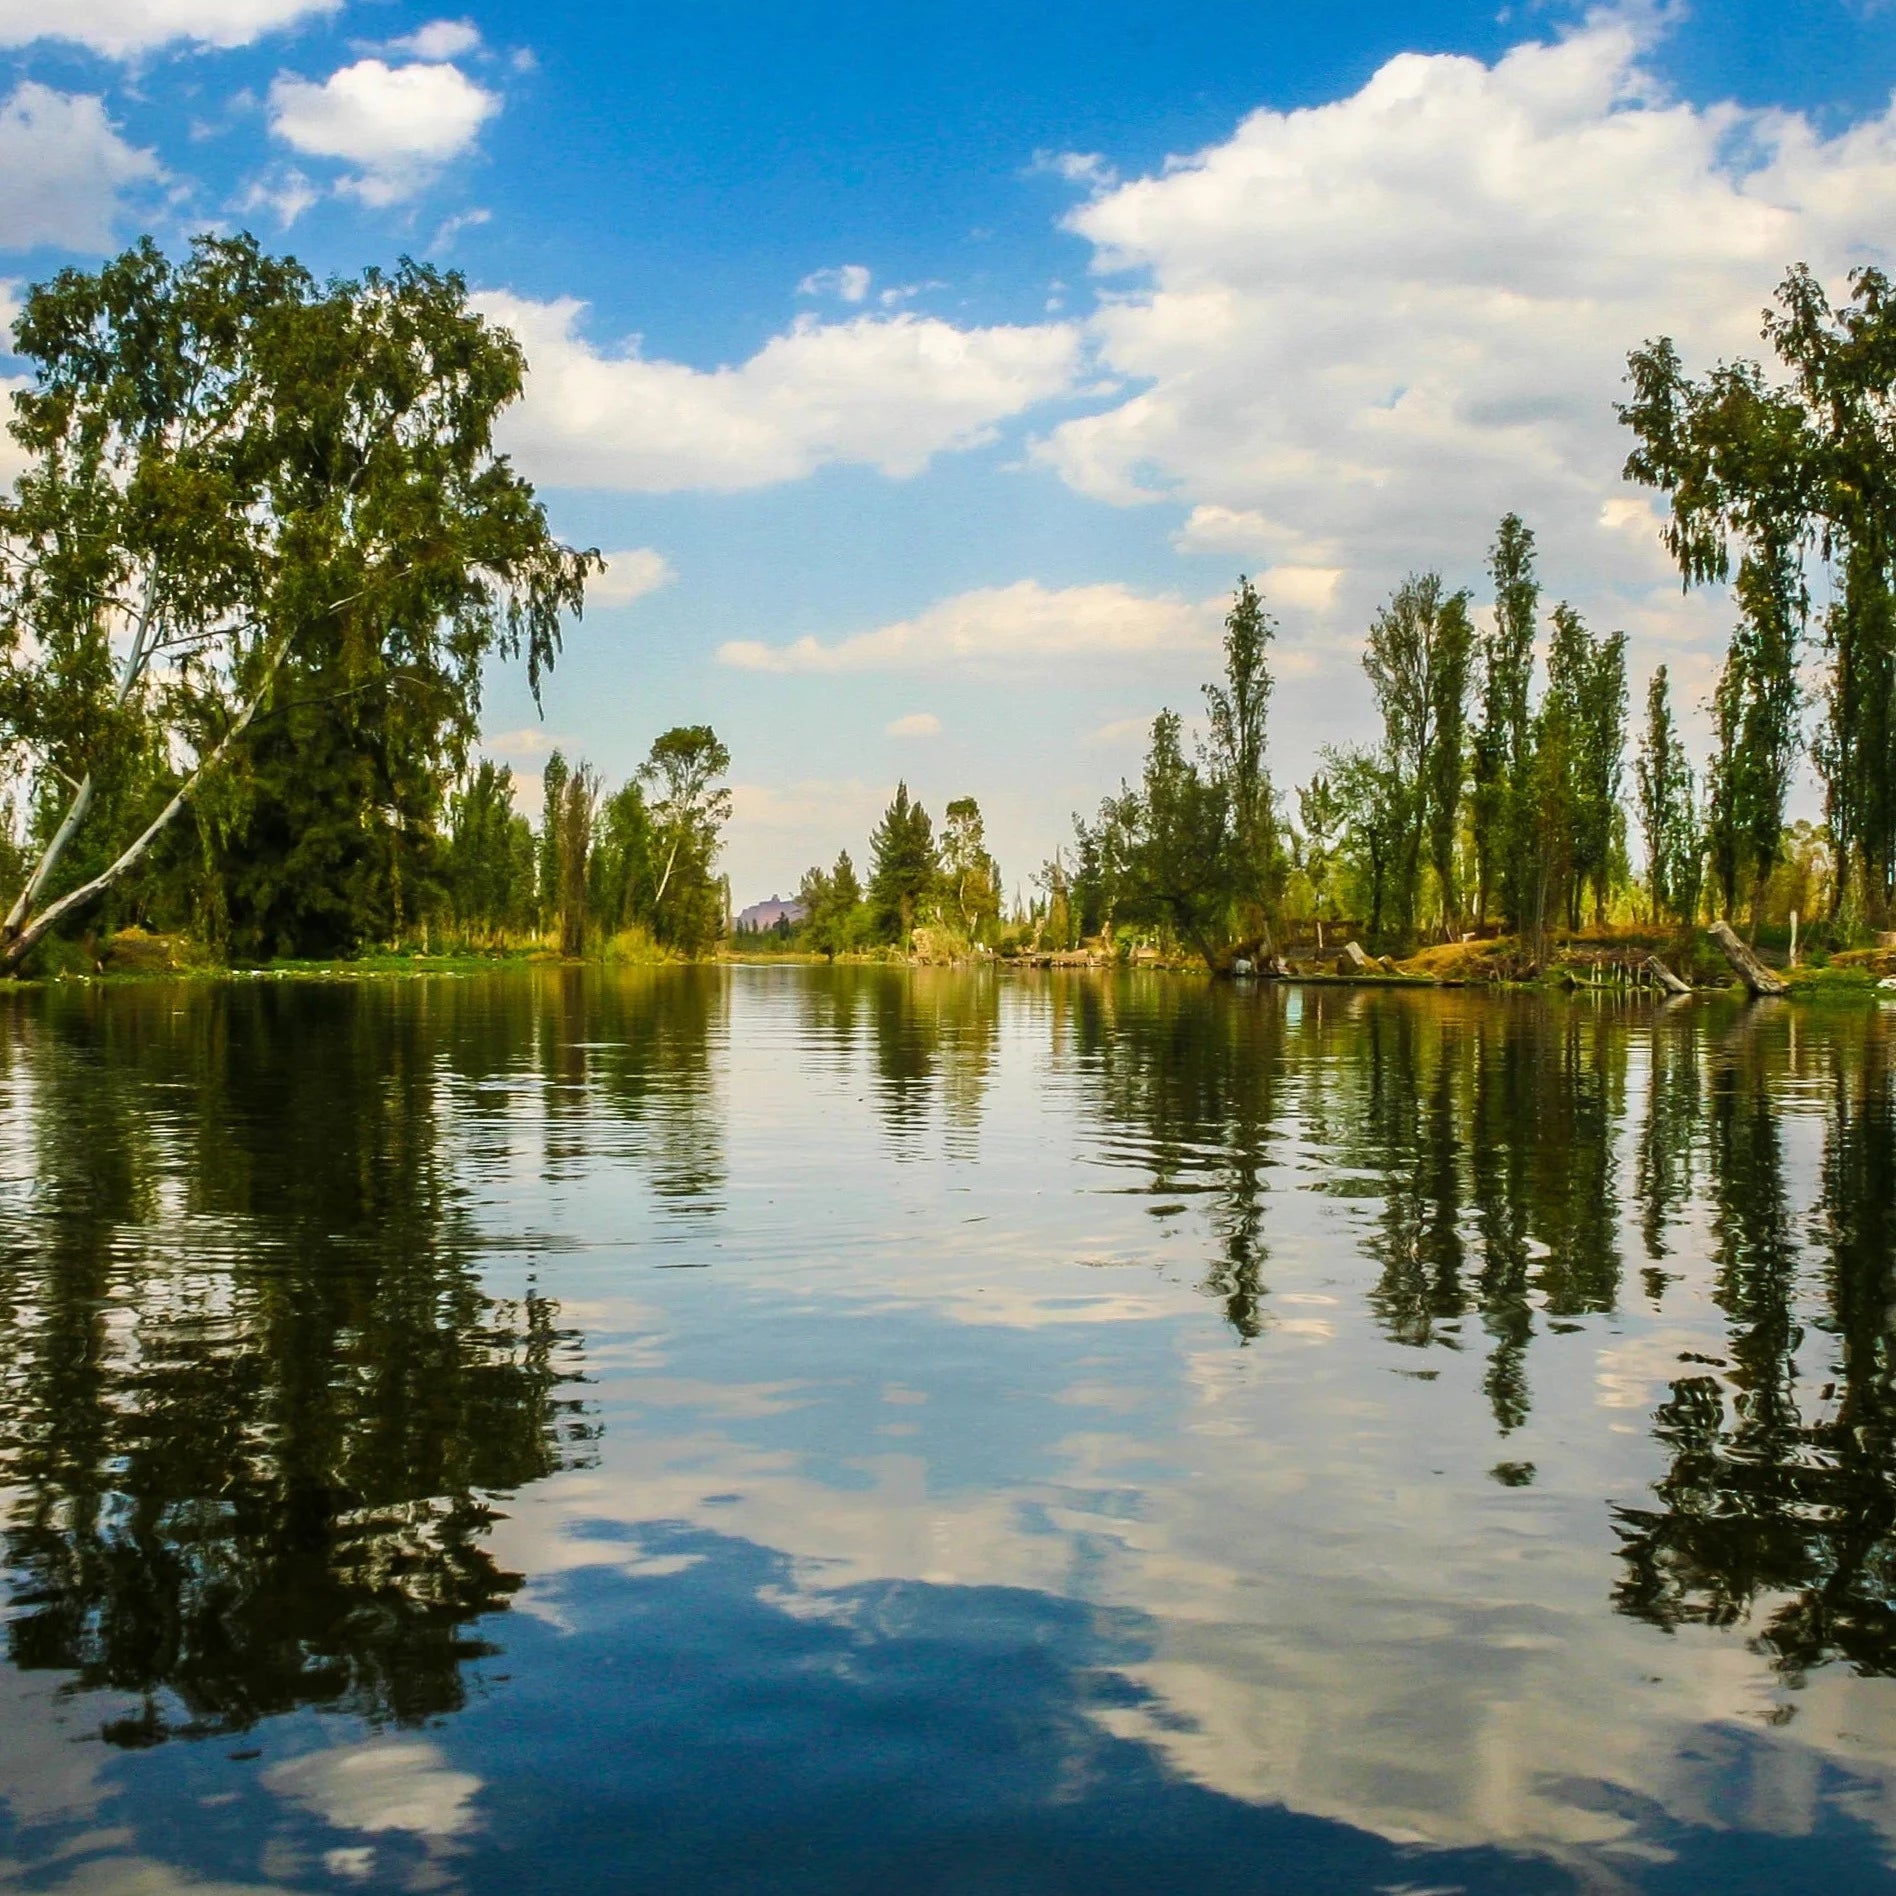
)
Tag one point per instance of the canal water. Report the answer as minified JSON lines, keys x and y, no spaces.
{"x":787,"y":1429}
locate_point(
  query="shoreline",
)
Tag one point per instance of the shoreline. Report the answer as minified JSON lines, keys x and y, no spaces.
{"x":1802,"y":984}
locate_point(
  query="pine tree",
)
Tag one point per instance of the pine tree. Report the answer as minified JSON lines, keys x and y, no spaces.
{"x":903,"y":868}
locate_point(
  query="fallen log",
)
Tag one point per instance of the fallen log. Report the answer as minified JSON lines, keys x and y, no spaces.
{"x":1665,"y":977}
{"x":1749,"y":969}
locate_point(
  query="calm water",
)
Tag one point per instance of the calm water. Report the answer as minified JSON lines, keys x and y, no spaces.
{"x":879,"y":1431}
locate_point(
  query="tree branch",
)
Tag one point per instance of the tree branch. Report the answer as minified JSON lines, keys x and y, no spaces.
{"x":15,"y":949}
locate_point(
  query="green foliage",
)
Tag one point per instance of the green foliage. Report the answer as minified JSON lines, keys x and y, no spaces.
{"x":1668,"y":810}
{"x":834,"y":920}
{"x":621,"y":872}
{"x":1579,"y":751}
{"x":689,"y":809}
{"x":1779,"y":474}
{"x":1375,"y":830}
{"x":552,"y":802}
{"x":1238,"y":711}
{"x":970,"y":878}
{"x":1167,"y":850}
{"x":1418,"y":661}
{"x":490,"y":858}
{"x":260,"y":484}
{"x":1502,"y":749}
{"x":903,"y":869}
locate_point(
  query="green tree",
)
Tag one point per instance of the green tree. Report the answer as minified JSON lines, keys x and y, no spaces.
{"x":1767,"y":470}
{"x":572,"y":827}
{"x":245,"y":477}
{"x":970,"y":877}
{"x":552,"y":803}
{"x":1324,"y":817}
{"x":1417,"y":660}
{"x":1668,"y":809}
{"x":832,"y":907}
{"x":689,"y":809}
{"x":1165,"y":848}
{"x":620,"y":877}
{"x":1376,"y":828}
{"x":490,"y":866}
{"x":903,"y":868}
{"x":1238,"y":711}
{"x":1502,"y":748}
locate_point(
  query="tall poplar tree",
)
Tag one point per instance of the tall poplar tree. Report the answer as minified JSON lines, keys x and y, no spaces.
{"x":1417,"y":659}
{"x":1668,"y":812}
{"x":1502,"y":749}
{"x":1238,"y":713}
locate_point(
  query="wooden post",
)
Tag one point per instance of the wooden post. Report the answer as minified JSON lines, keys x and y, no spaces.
{"x":1665,"y":977}
{"x":1750,"y":970}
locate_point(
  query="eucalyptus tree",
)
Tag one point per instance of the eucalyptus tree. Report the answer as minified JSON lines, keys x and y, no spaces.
{"x":970,"y":877}
{"x":689,"y":808}
{"x":234,"y":475}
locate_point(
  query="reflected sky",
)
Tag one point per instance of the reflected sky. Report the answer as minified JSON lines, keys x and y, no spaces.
{"x":868,"y":1428}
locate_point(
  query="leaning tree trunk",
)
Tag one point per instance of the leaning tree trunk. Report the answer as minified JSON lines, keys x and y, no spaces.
{"x":1750,"y":970}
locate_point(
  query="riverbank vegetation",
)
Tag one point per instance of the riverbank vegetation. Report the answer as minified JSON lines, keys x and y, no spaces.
{"x":264,"y":547}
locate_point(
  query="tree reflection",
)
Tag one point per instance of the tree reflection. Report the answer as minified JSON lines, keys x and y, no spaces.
{"x":254,"y":1403}
{"x":1485,"y":1132}
{"x":935,"y":1038}
{"x":1780,"y":1494}
{"x":1192,"y":1074}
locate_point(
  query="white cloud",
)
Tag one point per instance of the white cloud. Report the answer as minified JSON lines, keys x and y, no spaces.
{"x":1358,"y":333}
{"x":440,"y":39}
{"x":1077,"y":167}
{"x":850,"y":283}
{"x":119,"y":28}
{"x":888,"y":391}
{"x":915,"y":724}
{"x":384,"y":1784}
{"x":630,"y":575}
{"x":401,"y":124}
{"x":285,"y":192}
{"x":64,"y":166}
{"x":1014,"y":628}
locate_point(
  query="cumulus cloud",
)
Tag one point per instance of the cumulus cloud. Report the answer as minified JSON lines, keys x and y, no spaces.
{"x":849,"y":283}
{"x":400,"y":124}
{"x":65,"y":166}
{"x":120,"y":28}
{"x":886,"y":391}
{"x":1015,"y":628}
{"x":915,"y":724}
{"x":440,"y":39}
{"x":630,"y":575}
{"x":1356,"y":334}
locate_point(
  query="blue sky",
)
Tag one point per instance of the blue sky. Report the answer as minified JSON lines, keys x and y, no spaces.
{"x":934,"y":370}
